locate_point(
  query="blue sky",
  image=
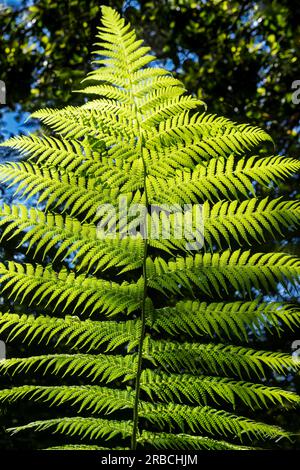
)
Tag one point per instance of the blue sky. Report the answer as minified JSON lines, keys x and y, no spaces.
{"x":13,"y":123}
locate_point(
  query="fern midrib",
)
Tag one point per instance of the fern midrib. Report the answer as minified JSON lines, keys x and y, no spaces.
{"x":144,"y":272}
{"x":142,"y":335}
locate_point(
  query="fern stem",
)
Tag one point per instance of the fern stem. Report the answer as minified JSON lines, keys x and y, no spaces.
{"x":143,"y":317}
{"x":140,"y":356}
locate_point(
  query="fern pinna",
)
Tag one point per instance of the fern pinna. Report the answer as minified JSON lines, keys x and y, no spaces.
{"x":148,"y":336}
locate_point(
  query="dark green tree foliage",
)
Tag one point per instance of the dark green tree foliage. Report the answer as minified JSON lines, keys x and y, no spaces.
{"x":110,"y":378}
{"x":240,"y":57}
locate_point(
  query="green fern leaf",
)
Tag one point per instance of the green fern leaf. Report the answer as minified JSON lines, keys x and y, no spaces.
{"x":146,"y":342}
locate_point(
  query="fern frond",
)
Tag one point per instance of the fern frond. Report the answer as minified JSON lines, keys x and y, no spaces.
{"x":211,"y":420}
{"x":193,"y":419}
{"x":241,"y":269}
{"x":77,"y":122}
{"x":205,"y":389}
{"x":216,"y":358}
{"x":51,"y":151}
{"x":91,"y":398}
{"x":225,"y":223}
{"x":70,"y":331}
{"x":63,"y":289}
{"x":219,"y":178}
{"x":224,"y":319}
{"x":185,"y":441}
{"x":156,"y":369}
{"x":92,"y":428}
{"x":76,"y":194}
{"x":70,"y":236}
{"x":94,"y":367}
{"x":119,"y":45}
{"x":186,"y":130}
{"x":248,"y":221}
{"x":97,"y":399}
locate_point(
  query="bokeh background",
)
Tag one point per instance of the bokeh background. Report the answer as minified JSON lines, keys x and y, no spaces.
{"x":240,"y":57}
